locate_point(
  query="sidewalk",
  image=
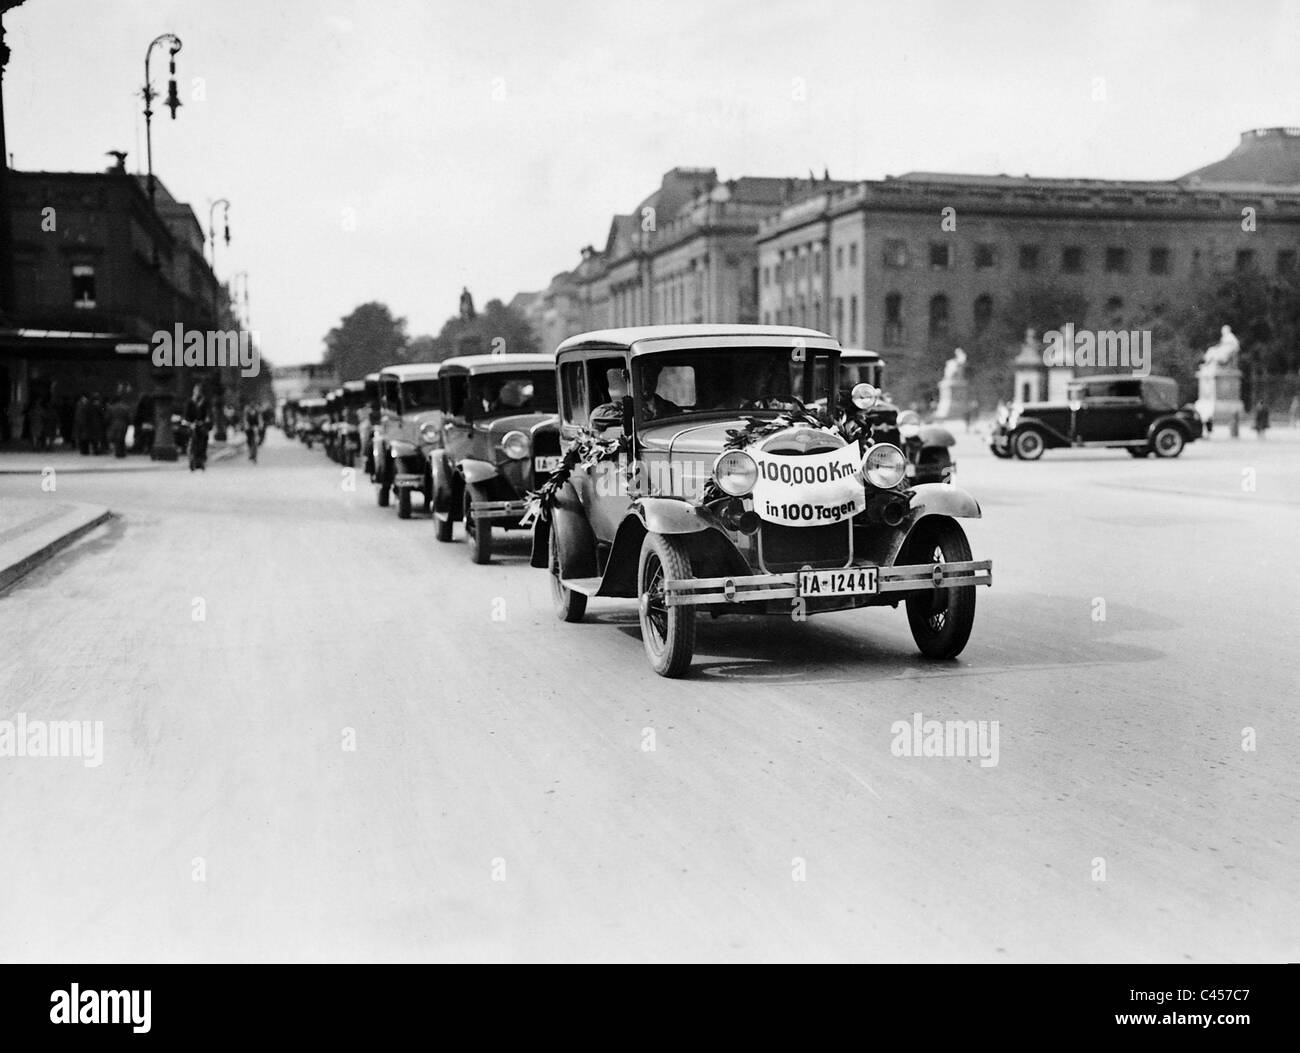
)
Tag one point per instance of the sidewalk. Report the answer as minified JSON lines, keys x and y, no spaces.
{"x":34,"y":529}
{"x":63,"y":459}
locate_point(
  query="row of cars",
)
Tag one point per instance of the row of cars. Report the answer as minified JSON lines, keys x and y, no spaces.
{"x":694,"y":469}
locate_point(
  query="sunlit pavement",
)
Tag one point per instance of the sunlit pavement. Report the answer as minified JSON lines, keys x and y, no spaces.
{"x":526,"y":789}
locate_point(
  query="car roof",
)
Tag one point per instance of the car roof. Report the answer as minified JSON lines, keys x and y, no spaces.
{"x":413,"y":370}
{"x":858,"y":354}
{"x":370,"y":378}
{"x":497,"y":363}
{"x":354,"y":385}
{"x":643,"y":338}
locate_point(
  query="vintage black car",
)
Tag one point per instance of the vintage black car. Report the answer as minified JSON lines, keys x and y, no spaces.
{"x":500,"y":441}
{"x":409,"y":430}
{"x":344,"y":441}
{"x":1140,"y":414}
{"x":698,"y":477}
{"x":309,"y":422}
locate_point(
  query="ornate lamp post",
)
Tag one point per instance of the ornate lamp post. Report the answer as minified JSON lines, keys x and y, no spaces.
{"x":212,"y":230}
{"x":173,"y":101}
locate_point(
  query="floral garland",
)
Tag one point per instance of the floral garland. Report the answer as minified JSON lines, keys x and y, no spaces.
{"x":586,"y":452}
{"x":757,"y":428}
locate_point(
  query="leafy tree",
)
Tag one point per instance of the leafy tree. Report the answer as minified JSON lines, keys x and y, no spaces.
{"x":366,"y":340}
{"x":497,"y":327}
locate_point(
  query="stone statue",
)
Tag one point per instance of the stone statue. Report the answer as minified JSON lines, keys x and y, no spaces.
{"x":955,"y":367}
{"x":466,"y":304}
{"x":1224,"y":353}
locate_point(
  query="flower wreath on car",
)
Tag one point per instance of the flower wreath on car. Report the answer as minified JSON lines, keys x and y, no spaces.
{"x":586,"y":452}
{"x":758,"y":428}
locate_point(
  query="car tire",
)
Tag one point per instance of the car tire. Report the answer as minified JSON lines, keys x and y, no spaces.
{"x":1168,"y":441}
{"x":1000,"y":452}
{"x":404,"y":503}
{"x":940,"y":619}
{"x":381,"y":478}
{"x":477,"y":532}
{"x":569,"y":605}
{"x":1028,"y":445}
{"x":668,"y":633}
{"x":443,"y":525}
{"x":1138,"y":452}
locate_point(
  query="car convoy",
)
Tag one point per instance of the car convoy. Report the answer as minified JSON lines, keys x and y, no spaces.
{"x":705,"y":469}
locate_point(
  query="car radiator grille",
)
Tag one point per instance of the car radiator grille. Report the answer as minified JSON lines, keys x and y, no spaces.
{"x":786,"y":548}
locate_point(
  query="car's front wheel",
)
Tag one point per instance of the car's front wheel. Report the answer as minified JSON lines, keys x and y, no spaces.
{"x":940,"y":619}
{"x":478,"y":532}
{"x":1028,"y":445}
{"x":1168,"y":441}
{"x":569,"y":605}
{"x":667,"y":632}
{"x":1002,"y":452}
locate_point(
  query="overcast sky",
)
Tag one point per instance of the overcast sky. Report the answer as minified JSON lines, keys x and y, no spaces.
{"x":393,"y":109}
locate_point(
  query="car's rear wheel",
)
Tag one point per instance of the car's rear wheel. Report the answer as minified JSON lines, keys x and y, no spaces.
{"x":667,"y":632}
{"x":477,"y":531}
{"x":940,"y":619}
{"x":1168,"y":441}
{"x":1028,"y":445}
{"x":569,"y":605}
{"x":404,"y":503}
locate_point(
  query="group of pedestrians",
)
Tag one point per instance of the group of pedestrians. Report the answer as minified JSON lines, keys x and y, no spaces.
{"x":199,"y":419}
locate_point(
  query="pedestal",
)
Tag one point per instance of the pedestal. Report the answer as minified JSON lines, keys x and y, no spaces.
{"x":953,"y":399}
{"x":1219,"y":393}
{"x":164,"y":441}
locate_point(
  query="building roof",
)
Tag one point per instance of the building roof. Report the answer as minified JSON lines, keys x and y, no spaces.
{"x":1263,"y":156}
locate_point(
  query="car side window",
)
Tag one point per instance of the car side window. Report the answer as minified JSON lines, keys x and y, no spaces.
{"x":388,"y":392}
{"x":455,"y":393}
{"x":573,"y":379}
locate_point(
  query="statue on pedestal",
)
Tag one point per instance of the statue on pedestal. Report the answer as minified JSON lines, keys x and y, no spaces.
{"x":952,"y":388}
{"x":1219,"y":381}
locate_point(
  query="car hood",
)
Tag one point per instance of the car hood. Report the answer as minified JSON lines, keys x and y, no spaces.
{"x":525,"y":422}
{"x":691,"y":437}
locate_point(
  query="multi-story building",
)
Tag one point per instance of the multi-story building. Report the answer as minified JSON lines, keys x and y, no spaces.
{"x":918,"y":264}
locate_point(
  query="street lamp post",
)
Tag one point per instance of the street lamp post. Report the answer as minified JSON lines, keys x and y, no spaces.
{"x":212,"y":230}
{"x":172,"y":103}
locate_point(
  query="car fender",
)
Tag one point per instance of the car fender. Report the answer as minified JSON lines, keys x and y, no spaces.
{"x":476,"y":472}
{"x":943,"y":499}
{"x":1034,"y":424}
{"x":934,"y":435}
{"x":667,"y":515}
{"x":709,"y":542}
{"x":1170,"y":420}
{"x":574,"y":538}
{"x":402,"y":448}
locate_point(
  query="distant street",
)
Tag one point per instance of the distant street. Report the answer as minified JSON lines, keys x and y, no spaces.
{"x":500,"y":802}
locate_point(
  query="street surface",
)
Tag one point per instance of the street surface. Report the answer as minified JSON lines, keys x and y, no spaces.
{"x":500,"y":802}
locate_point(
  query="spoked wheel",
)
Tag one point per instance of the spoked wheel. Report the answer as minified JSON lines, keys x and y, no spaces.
{"x":1168,"y":442}
{"x":940,"y":619}
{"x":569,"y":606}
{"x":478,"y":532}
{"x":1028,"y":445}
{"x":667,"y":632}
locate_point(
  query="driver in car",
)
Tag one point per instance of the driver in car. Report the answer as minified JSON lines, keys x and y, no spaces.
{"x":656,"y":405}
{"x":616,"y":383}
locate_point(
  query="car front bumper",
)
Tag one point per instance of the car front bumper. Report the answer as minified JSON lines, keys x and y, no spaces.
{"x":761,"y":587}
{"x":498,"y":509}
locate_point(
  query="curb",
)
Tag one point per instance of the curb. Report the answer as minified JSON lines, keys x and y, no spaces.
{"x":14,"y":571}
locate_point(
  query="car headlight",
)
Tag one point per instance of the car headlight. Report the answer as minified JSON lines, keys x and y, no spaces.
{"x":884,"y":466}
{"x":428,"y":432}
{"x":516,"y":445}
{"x":864,"y":396}
{"x":909,"y":424}
{"x":735,"y":473}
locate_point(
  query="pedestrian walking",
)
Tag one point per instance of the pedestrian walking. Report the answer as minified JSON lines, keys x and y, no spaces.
{"x":97,"y":424}
{"x":1261,"y":418}
{"x":37,"y":420}
{"x":119,"y":419}
{"x":198,"y":416}
{"x":252,"y":431}
{"x":80,"y":425}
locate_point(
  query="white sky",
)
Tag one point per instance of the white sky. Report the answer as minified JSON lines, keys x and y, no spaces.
{"x":386,"y":108}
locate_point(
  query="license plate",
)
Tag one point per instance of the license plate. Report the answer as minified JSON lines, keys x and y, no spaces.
{"x":546,"y":464}
{"x":860,"y":581}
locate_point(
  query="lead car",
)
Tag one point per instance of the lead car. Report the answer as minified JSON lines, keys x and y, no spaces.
{"x":697,"y":475}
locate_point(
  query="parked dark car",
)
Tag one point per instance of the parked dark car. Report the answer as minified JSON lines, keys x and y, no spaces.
{"x":409,"y":430}
{"x":500,"y":441}
{"x":699,"y":478}
{"x":1140,"y":414}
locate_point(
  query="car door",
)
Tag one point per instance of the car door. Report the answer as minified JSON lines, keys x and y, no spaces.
{"x":1110,"y":411}
{"x":604,"y":491}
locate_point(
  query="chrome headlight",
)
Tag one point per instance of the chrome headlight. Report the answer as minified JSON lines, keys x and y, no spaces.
{"x":428,"y":432}
{"x":516,"y":445}
{"x":884,"y":466}
{"x":864,"y":396}
{"x":735,"y":473}
{"x":909,"y":424}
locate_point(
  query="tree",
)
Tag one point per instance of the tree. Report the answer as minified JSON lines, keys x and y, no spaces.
{"x":365,"y":341}
{"x":499,"y":328}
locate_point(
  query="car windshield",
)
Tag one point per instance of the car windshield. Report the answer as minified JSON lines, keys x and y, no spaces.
{"x":420,"y":395}
{"x":500,"y":394}
{"x":725,"y":380}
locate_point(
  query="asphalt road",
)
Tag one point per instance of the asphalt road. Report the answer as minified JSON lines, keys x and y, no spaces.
{"x":502,"y":801}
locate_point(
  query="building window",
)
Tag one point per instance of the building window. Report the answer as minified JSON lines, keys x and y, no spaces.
{"x":817,"y":314}
{"x":853,"y":254}
{"x":1245,"y":259}
{"x":939,"y":315}
{"x":895,"y":253}
{"x":1072,"y":260}
{"x":1029,"y":257}
{"x":838,"y":320}
{"x":83,"y":286}
{"x":1116,"y":260}
{"x":1285,"y":261}
{"x":940,"y":256}
{"x":853,"y":319}
{"x":983,"y":312}
{"x":839,"y":257}
{"x":1159,"y":261}
{"x":893,"y":319}
{"x":986,"y":257}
